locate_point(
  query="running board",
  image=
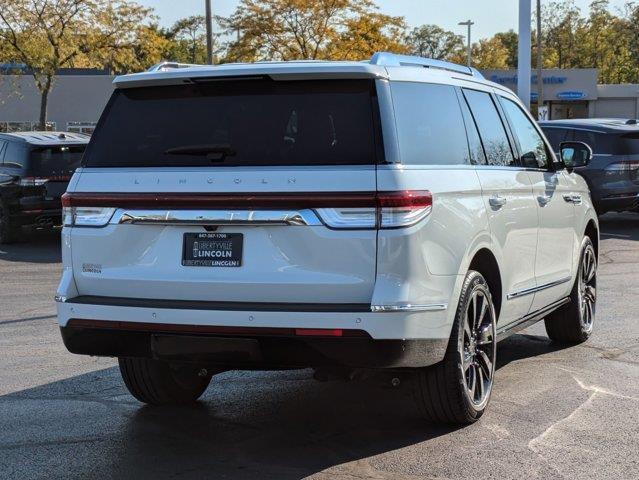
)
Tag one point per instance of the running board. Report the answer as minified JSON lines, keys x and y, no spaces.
{"x":530,"y":319}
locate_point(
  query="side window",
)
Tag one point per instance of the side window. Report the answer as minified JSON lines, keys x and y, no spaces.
{"x":430,"y":126}
{"x":477,"y":154}
{"x":533,"y":148}
{"x":3,"y":145}
{"x":491,"y":129}
{"x":599,"y":142}
{"x":555,"y":136}
{"x":13,"y":156}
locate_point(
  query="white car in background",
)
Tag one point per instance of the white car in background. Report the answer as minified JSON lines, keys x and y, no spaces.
{"x":401,"y":214}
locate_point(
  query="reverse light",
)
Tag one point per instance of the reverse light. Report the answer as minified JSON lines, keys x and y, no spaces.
{"x":86,"y":216}
{"x":390,"y":210}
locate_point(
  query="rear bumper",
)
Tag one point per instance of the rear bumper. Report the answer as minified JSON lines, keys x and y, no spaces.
{"x":380,"y":339}
{"x":250,"y":349}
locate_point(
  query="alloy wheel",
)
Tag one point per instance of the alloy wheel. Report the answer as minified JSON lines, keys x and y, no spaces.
{"x":479,"y":348}
{"x":588,"y":288}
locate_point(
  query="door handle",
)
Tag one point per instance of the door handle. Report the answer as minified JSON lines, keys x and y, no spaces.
{"x":497,"y":201}
{"x":543,"y":200}
{"x":576,"y":199}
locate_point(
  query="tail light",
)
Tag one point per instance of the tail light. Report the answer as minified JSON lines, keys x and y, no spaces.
{"x":621,"y":168}
{"x":353,"y":210}
{"x":84,"y":216}
{"x":32,"y":181}
{"x":389,"y":210}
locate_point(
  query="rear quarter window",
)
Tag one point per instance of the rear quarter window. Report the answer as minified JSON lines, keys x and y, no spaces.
{"x":430,"y":125}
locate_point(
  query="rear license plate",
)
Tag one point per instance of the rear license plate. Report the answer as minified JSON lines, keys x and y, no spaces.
{"x":212,"y":250}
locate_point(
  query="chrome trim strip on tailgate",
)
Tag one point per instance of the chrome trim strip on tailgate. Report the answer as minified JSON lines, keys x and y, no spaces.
{"x":217,"y":217}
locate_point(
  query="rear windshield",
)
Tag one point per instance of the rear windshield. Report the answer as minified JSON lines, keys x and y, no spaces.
{"x":55,"y":160}
{"x":236,"y":123}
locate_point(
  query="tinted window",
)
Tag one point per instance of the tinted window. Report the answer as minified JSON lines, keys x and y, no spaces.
{"x":491,"y":128}
{"x":55,"y":160}
{"x":531,"y":144}
{"x":229,"y":123}
{"x":477,"y":155}
{"x":555,"y":136}
{"x":14,"y":155}
{"x":429,"y":124}
{"x":630,"y":143}
{"x":3,"y":144}
{"x":600,"y":143}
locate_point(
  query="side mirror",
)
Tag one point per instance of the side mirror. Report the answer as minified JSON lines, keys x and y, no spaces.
{"x":574,"y":154}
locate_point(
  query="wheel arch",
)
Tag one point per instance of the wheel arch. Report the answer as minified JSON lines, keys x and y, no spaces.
{"x":485,"y":262}
{"x":592,"y":231}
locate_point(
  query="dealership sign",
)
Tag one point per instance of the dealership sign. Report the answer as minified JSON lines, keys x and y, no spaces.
{"x":571,"y":95}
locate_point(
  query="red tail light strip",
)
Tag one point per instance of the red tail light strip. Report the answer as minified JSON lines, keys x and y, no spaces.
{"x":249,"y":200}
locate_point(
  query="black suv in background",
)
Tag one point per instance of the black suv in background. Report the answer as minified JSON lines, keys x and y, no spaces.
{"x":613,"y":172}
{"x":35,"y":169}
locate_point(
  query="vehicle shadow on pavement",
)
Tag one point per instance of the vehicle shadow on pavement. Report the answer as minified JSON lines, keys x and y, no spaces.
{"x":622,"y":226}
{"x":267,"y":425}
{"x":40,"y":246}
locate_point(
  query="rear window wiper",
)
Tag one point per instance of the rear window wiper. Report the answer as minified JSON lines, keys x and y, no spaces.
{"x":214,"y":152}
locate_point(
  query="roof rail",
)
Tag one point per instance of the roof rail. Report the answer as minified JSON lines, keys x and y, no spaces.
{"x":388,"y":59}
{"x":162,"y":66}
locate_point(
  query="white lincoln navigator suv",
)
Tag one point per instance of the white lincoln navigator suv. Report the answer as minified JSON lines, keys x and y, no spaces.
{"x":400,"y":213}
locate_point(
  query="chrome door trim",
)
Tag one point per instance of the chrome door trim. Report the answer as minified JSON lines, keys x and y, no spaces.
{"x":304,"y":217}
{"x":529,"y":291}
{"x":409,"y":307}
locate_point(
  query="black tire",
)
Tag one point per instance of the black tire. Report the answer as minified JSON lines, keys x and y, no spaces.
{"x":8,"y":233}
{"x":573,"y":323}
{"x":160,"y":383}
{"x":442,"y":390}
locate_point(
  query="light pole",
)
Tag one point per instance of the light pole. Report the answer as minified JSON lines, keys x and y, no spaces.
{"x":523,"y":53}
{"x":540,"y":80}
{"x":469,"y":24}
{"x":209,"y":33}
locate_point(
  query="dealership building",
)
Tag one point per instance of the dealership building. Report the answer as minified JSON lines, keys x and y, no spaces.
{"x":574,"y":93}
{"x":79,"y":95}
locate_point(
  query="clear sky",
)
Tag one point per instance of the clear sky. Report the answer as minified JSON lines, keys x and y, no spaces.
{"x":490,"y":16}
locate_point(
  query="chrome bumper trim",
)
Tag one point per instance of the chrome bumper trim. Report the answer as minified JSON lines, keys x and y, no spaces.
{"x":433,"y":307}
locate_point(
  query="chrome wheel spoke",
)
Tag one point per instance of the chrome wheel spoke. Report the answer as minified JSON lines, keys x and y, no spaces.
{"x":480,"y":384}
{"x":485,"y":364}
{"x":467,"y":330}
{"x":471,"y":382}
{"x":485,"y":335}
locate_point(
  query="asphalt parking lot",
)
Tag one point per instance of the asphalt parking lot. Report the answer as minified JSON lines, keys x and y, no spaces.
{"x":555,"y":412}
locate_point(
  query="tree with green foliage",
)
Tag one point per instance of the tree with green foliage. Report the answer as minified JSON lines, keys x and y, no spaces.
{"x":49,"y":35}
{"x":432,"y":41}
{"x":311,"y":29}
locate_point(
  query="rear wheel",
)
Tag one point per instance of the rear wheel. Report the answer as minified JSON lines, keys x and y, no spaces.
{"x":573,"y":323}
{"x":457,"y":390}
{"x":8,"y":233}
{"x":161,"y":383}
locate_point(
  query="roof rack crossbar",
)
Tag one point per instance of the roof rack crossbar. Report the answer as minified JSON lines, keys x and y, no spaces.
{"x":388,"y":59}
{"x":159,"y":67}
